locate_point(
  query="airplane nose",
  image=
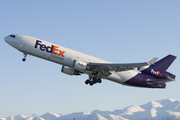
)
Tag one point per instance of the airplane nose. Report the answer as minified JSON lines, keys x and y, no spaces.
{"x":6,"y":39}
{"x":9,"y":39}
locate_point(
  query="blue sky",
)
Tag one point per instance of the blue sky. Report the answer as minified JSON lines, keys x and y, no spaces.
{"x":117,"y":31}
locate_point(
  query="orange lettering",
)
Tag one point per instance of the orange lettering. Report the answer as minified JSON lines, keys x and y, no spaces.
{"x":55,"y":48}
{"x":159,"y":73}
{"x":61,"y":53}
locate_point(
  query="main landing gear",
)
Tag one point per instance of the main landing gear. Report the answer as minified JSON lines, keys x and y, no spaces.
{"x":91,"y":81}
{"x":24,"y":59}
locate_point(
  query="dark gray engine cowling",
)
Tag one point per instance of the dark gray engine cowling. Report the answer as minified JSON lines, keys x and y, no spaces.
{"x":69,"y":71}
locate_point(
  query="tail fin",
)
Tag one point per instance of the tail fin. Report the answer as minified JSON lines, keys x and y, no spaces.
{"x":164,"y":63}
{"x":158,"y":69}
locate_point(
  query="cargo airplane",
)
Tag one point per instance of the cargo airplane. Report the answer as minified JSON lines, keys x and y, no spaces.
{"x":150,"y":74}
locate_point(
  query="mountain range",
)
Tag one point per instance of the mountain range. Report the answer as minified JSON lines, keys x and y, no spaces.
{"x":167,"y":109}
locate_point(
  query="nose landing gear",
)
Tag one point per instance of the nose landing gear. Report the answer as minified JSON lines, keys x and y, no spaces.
{"x":24,"y":59}
{"x":91,"y":81}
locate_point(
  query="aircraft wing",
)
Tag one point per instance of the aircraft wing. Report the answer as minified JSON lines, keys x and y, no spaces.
{"x":115,"y":67}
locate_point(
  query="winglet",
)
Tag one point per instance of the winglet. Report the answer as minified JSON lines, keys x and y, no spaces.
{"x":152,"y":61}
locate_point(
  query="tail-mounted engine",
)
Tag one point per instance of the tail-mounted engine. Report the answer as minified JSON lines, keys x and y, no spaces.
{"x":143,"y":68}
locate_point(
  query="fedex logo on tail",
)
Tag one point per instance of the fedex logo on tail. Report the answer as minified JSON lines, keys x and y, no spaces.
{"x":50,"y":49}
{"x":156,"y":73}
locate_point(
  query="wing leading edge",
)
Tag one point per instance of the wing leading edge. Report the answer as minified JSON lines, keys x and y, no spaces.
{"x":115,"y":67}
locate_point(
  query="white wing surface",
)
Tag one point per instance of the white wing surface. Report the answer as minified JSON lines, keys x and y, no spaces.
{"x":115,"y":67}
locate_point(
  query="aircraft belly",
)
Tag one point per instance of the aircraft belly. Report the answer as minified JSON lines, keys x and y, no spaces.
{"x":115,"y":78}
{"x":126,"y":75}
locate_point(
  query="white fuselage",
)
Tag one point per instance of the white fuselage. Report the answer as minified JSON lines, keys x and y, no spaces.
{"x":61,"y":55}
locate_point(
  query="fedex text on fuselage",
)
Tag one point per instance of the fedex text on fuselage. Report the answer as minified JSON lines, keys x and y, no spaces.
{"x":50,"y":49}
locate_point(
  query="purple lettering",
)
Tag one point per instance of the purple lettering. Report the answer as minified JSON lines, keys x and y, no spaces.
{"x":37,"y":43}
{"x":49,"y":49}
{"x":43,"y":47}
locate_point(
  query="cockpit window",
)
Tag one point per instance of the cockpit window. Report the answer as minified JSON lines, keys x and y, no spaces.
{"x":13,"y":36}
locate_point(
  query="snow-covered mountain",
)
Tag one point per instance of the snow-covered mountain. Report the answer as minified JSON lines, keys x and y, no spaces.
{"x":50,"y":116}
{"x":167,"y":109}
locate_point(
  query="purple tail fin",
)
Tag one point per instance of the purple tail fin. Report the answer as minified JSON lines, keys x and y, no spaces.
{"x":164,"y":63}
{"x":158,"y":69}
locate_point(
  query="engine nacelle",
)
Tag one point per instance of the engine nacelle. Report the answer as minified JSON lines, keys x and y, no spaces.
{"x":69,"y":71}
{"x":80,"y":65}
{"x":143,"y":68}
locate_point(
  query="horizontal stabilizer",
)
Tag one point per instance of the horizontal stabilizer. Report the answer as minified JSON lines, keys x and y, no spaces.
{"x":159,"y":81}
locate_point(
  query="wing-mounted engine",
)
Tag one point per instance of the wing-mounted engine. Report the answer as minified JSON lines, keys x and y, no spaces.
{"x":69,"y":71}
{"x":80,"y":65}
{"x":77,"y":68}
